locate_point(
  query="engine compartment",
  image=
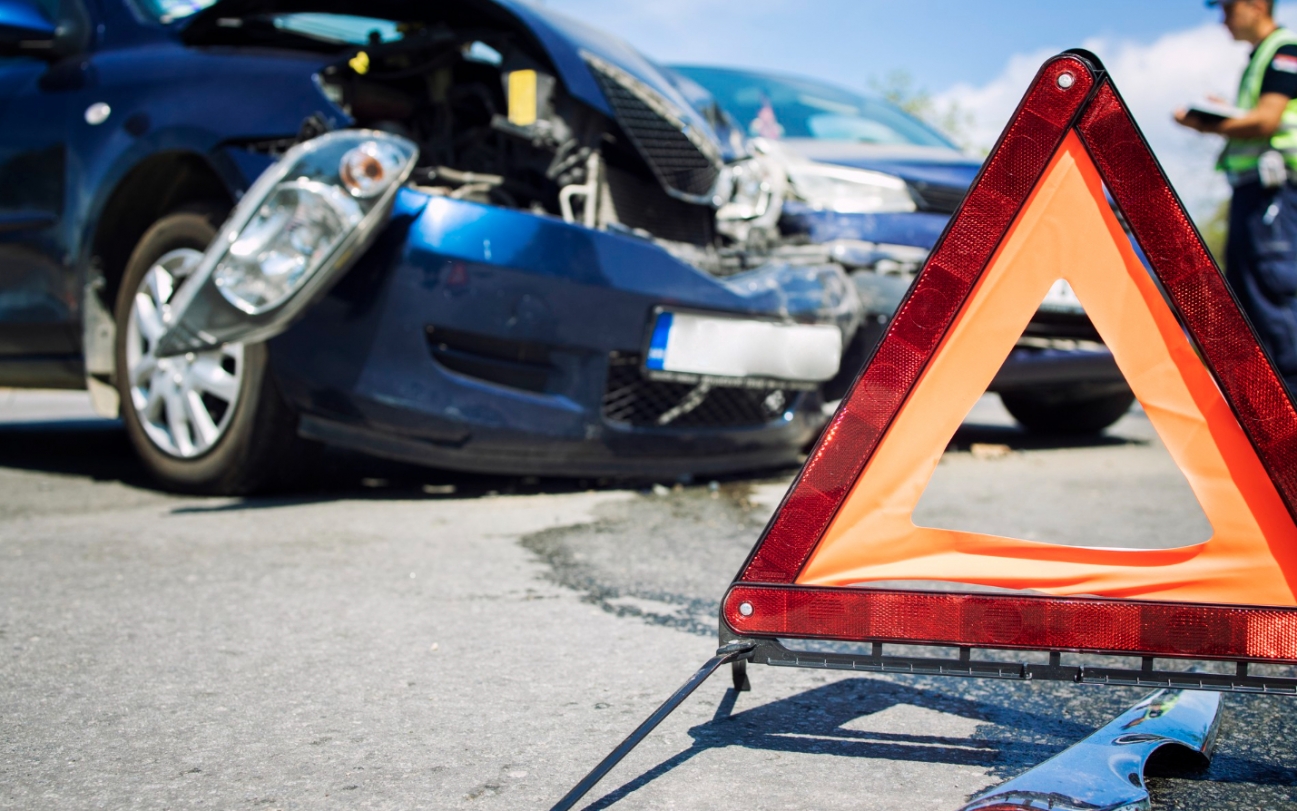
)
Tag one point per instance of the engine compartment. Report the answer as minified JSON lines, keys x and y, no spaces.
{"x":495,"y":124}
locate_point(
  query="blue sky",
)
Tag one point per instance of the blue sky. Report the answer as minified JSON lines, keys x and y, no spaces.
{"x":939,"y":42}
{"x":978,"y":56}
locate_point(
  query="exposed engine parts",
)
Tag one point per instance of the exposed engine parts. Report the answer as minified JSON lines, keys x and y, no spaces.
{"x":494,"y":125}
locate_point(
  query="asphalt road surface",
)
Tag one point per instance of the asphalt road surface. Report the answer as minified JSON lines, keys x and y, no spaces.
{"x":403,"y":638}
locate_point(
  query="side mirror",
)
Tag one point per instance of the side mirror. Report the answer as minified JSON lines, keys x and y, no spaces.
{"x":26,"y":31}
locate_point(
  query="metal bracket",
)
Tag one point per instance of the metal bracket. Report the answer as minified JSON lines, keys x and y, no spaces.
{"x":773,"y":652}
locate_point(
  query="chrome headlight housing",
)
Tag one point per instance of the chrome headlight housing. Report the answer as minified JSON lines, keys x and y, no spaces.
{"x":294,"y":233}
{"x":751,"y":191}
{"x":295,"y":229}
{"x":849,"y":191}
{"x":757,"y":186}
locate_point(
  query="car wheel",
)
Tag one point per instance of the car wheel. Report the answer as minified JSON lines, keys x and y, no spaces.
{"x":1067,"y":412}
{"x":206,"y":422}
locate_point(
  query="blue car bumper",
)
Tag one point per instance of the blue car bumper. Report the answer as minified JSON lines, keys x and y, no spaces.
{"x":492,"y":340}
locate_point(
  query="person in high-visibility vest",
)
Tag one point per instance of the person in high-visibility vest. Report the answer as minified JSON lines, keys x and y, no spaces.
{"x":1260,"y":160}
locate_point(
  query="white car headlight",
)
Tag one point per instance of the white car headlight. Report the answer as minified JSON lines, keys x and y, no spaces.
{"x":849,"y":191}
{"x":294,"y":232}
{"x":297,"y":227}
{"x":750,"y":192}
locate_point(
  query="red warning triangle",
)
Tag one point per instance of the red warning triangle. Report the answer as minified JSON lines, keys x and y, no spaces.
{"x":1038,"y":213}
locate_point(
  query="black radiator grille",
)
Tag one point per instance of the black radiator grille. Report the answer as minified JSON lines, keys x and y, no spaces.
{"x":938,"y":199}
{"x":631,"y":399}
{"x":641,"y":203}
{"x":681,"y":162}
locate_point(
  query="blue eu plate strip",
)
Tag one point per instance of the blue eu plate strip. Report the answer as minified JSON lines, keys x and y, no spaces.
{"x":657,"y":354}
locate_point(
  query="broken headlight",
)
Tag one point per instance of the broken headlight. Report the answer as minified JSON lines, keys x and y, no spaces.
{"x":752,"y":191}
{"x":295,"y":232}
{"x":849,"y":191}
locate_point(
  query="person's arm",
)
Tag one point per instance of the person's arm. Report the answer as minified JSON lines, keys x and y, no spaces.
{"x":1261,"y":121}
{"x":1278,"y":88}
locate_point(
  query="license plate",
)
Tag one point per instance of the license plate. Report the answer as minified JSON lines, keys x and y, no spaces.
{"x":729,"y":351}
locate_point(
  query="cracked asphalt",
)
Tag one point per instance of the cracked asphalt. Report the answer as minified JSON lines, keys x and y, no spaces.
{"x":405,"y":638}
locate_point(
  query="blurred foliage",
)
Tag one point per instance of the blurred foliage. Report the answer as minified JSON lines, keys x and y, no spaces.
{"x":899,"y":88}
{"x":1215,"y":230}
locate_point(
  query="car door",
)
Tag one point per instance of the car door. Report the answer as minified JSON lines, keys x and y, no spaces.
{"x":39,"y":299}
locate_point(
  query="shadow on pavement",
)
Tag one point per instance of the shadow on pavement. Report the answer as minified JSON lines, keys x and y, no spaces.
{"x":818,"y":722}
{"x":89,"y":448}
{"x":99,"y":450}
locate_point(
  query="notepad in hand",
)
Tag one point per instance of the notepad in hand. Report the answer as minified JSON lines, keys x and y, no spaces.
{"x":1214,"y":111}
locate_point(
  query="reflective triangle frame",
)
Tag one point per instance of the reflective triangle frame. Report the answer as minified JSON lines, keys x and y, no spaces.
{"x":1071,"y":99}
{"x":764,"y":605}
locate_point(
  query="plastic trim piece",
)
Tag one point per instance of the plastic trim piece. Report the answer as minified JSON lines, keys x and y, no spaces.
{"x":1105,"y":772}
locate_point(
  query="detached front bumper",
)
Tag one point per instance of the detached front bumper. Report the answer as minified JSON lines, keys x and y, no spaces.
{"x":484,"y":339}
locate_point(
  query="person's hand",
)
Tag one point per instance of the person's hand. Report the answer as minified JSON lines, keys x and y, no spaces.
{"x":1193,"y":121}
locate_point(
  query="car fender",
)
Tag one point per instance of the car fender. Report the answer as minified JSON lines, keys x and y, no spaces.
{"x":169,"y":99}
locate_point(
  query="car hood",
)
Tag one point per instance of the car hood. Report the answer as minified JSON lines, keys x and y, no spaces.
{"x":917,"y":164}
{"x":565,"y":41}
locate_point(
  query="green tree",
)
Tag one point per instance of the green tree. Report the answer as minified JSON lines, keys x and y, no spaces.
{"x":899,"y":88}
{"x":1215,"y":230}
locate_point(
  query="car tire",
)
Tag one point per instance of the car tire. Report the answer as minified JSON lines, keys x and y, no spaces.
{"x":211,"y":422}
{"x":1067,"y":412}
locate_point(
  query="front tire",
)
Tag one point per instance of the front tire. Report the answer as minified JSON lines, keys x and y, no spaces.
{"x":205,"y":422}
{"x":1066,"y":411}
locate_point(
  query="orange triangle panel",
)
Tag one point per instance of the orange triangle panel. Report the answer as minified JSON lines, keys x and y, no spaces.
{"x":1038,"y":213}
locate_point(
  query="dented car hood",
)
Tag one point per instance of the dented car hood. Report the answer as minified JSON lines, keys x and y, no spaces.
{"x":563,"y":39}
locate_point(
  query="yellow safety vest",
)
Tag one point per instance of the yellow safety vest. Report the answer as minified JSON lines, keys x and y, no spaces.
{"x":1242,"y":155}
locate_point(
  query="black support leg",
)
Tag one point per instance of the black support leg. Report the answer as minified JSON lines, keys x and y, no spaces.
{"x":730,"y":653}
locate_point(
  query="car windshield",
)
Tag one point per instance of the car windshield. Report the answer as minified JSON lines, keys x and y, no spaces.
{"x":169,"y":10}
{"x":344,"y":28}
{"x":784,"y":107}
{"x":339,"y":28}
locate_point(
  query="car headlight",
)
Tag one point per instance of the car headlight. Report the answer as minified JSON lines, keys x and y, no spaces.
{"x":849,"y":191}
{"x":750,"y":191}
{"x":295,"y":232}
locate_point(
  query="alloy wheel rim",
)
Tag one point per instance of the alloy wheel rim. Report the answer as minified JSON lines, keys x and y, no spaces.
{"x":184,"y":403}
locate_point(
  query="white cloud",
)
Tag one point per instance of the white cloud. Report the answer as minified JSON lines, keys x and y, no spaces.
{"x":1155,"y":78}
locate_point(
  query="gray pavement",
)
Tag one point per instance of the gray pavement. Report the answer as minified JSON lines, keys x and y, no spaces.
{"x":405,"y":638}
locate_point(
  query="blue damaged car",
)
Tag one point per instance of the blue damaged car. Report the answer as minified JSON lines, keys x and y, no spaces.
{"x":473,"y":235}
{"x":877,"y":186}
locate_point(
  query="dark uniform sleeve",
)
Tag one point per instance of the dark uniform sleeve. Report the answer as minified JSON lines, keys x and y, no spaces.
{"x":1281,"y":75}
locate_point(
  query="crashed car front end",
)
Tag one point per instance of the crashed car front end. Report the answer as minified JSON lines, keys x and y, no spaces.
{"x":491,"y":340}
{"x":557,"y":286}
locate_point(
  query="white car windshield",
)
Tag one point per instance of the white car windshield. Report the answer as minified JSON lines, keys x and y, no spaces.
{"x":786,"y":107}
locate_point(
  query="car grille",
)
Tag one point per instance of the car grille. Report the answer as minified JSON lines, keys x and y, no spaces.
{"x":936,"y":198}
{"x":641,"y":203}
{"x":631,"y":399}
{"x":686,"y":163}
